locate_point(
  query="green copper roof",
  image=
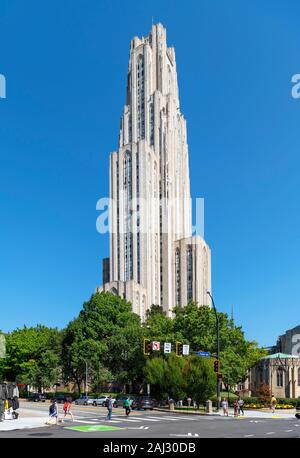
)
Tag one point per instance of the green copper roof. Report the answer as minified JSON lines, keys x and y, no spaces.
{"x":279,"y":355}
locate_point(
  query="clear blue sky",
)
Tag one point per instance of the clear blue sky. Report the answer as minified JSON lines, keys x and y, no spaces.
{"x":65,"y":64}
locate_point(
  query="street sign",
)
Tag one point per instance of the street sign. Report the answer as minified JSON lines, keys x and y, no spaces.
{"x":155,"y":345}
{"x":185,"y":350}
{"x":203,"y":353}
{"x":167,"y":347}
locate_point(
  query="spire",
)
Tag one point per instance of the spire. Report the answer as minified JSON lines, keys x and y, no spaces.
{"x":232,"y":316}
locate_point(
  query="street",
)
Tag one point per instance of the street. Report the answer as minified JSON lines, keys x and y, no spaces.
{"x":90,"y":422}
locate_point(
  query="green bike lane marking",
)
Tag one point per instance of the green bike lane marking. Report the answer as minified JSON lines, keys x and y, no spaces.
{"x":92,"y":428}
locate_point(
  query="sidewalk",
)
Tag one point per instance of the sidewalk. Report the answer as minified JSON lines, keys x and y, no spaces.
{"x":282,"y":414}
{"x":27,"y":419}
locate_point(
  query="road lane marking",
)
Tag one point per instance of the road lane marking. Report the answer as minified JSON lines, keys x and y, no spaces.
{"x":185,"y":435}
{"x":138,"y":427}
{"x":163,"y":418}
{"x":288,"y":431}
{"x":85,"y":421}
{"x":94,"y":428}
{"x":272,"y":432}
{"x":249,"y":435}
{"x":118,"y":420}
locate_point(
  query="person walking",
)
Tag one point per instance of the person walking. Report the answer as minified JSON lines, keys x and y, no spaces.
{"x":236,"y":408}
{"x":109,"y":408}
{"x":224,"y":405}
{"x":67,"y":408}
{"x":241,"y":406}
{"x":126,"y":405}
{"x":53,"y":412}
{"x":273,"y":403}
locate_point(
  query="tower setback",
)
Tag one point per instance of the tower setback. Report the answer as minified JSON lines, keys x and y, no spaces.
{"x":153,"y":257}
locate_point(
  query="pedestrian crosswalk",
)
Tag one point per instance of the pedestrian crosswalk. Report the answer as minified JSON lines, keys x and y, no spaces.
{"x":134,"y":419}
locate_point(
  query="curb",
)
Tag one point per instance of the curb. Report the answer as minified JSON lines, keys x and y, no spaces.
{"x":184,"y":412}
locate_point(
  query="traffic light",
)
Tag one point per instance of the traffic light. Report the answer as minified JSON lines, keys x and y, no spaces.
{"x":147,"y":347}
{"x":179,"y":348}
{"x":217,"y":366}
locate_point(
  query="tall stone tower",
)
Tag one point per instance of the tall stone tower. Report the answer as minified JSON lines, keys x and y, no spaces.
{"x":153,"y":257}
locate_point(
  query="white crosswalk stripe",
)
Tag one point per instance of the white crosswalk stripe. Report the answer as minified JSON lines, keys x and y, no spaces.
{"x":134,"y":419}
{"x":162,"y":418}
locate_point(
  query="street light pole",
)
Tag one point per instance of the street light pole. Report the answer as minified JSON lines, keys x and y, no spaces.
{"x":218,"y":349}
{"x":86,"y":376}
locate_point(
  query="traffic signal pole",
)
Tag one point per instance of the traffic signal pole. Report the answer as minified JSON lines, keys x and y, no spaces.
{"x":218,"y":350}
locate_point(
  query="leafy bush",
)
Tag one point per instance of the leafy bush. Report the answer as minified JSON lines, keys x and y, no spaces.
{"x":282,"y":403}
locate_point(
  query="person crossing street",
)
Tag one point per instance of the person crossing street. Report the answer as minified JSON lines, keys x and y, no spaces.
{"x":126,"y":405}
{"x":241,"y":406}
{"x":109,"y":408}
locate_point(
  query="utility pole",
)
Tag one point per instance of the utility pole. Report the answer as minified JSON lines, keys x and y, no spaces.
{"x":86,"y":377}
{"x":218,"y":350}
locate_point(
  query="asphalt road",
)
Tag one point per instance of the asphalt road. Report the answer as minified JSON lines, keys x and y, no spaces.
{"x":155,"y":424}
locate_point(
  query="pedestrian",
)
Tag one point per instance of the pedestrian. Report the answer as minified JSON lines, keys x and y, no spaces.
{"x":109,"y":408}
{"x":224,"y":405}
{"x":241,"y":405}
{"x":273,"y":403}
{"x":67,"y":408}
{"x":189,"y":400}
{"x":236,"y":408}
{"x":53,"y":412}
{"x":126,"y":405}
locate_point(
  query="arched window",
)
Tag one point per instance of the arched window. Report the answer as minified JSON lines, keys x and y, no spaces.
{"x":114,"y":291}
{"x":279,"y":376}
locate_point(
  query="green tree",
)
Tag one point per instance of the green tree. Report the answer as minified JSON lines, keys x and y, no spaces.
{"x":32,"y":356}
{"x":166,"y":376}
{"x":197,"y":326}
{"x":108,"y":335}
{"x":200,"y":379}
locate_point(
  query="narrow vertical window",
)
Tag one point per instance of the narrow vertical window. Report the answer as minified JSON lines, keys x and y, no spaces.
{"x":189,"y":274}
{"x":177,"y":275}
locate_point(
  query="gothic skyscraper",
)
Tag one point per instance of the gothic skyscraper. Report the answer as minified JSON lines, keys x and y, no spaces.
{"x":153,"y":257}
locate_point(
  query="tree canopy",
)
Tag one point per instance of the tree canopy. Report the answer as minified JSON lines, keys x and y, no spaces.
{"x":106,"y":341}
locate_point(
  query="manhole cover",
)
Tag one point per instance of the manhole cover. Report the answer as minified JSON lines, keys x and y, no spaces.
{"x":41,"y":434}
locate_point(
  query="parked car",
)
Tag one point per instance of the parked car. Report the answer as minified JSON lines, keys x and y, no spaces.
{"x":100,"y":401}
{"x":144,"y":402}
{"x":60,"y":398}
{"x":105,"y":402}
{"x":119,"y":401}
{"x":84,"y":401}
{"x":36,"y":397}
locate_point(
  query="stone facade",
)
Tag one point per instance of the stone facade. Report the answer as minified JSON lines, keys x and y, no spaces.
{"x":280,"y":371}
{"x":290,"y":342}
{"x":153,"y":257}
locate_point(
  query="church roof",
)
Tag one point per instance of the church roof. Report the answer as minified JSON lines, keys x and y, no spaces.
{"x":279,"y":356}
